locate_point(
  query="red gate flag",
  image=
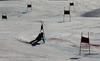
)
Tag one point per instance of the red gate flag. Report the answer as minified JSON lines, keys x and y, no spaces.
{"x":29,"y":6}
{"x":84,"y":40}
{"x":66,"y":12}
{"x":71,"y":4}
{"x":4,"y":16}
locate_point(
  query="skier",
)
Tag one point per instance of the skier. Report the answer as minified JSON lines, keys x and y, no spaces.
{"x":38,"y":38}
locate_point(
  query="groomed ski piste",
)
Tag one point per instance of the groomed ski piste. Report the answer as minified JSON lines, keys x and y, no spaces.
{"x":62,"y":38}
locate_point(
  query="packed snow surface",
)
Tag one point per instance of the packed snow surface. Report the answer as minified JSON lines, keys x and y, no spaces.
{"x":62,"y":37}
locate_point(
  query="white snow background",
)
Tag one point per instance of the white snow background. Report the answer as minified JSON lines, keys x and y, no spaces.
{"x":62,"y":38}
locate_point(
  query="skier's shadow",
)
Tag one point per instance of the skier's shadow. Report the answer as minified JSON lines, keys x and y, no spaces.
{"x":35,"y":44}
{"x":76,"y":57}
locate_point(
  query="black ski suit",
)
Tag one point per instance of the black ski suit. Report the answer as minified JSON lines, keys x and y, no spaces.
{"x":38,"y":38}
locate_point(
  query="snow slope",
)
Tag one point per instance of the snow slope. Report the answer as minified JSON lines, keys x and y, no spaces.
{"x":62,"y":38}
